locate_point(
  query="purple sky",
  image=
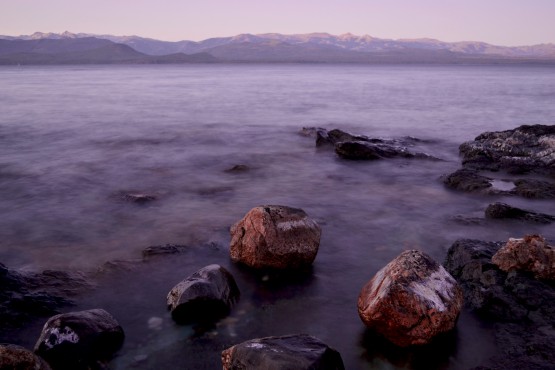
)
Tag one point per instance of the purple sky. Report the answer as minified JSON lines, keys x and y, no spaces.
{"x":501,"y":22}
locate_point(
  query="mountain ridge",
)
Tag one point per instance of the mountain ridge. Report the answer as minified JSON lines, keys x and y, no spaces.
{"x":81,"y":48}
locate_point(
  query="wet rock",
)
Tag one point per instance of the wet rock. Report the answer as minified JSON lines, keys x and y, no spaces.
{"x":238,"y":168}
{"x":80,"y":340}
{"x":505,"y":211}
{"x":158,"y":250}
{"x":299,"y":352}
{"x":411,"y":300}
{"x":468,"y":180}
{"x":524,"y":149}
{"x":535,"y":189}
{"x":531,"y":253}
{"x":205,"y":296}
{"x":14,"y":357}
{"x":360,"y":150}
{"x":275,"y":237}
{"x":520,"y":305}
{"x":137,"y":197}
{"x":27,"y":296}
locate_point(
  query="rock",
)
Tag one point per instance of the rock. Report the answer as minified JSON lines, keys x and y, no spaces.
{"x":299,"y":352}
{"x":238,"y":168}
{"x":80,"y":340}
{"x":14,"y":357}
{"x":531,"y":253}
{"x":28,"y":296}
{"x":275,"y":237}
{"x":205,"y":296}
{"x":411,"y":300}
{"x":468,"y":180}
{"x":157,"y":250}
{"x":524,"y":149}
{"x":535,"y":189}
{"x":503,"y":211}
{"x":520,"y":306}
{"x":137,"y":197}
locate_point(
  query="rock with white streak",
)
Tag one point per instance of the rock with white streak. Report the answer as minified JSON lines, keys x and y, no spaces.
{"x":299,"y":352}
{"x":411,"y":300}
{"x":80,"y":340}
{"x":531,"y":253}
{"x":275,"y":237}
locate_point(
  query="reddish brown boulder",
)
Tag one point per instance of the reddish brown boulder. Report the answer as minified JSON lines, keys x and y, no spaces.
{"x":14,"y":357}
{"x":275,"y":237}
{"x":531,"y":253}
{"x":411,"y":300}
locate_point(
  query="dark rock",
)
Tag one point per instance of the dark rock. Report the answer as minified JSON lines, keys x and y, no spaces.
{"x":80,"y":340}
{"x":275,"y":237}
{"x":27,"y":296}
{"x":205,"y":296}
{"x":521,"y":306}
{"x":531,"y":253}
{"x":238,"y":168}
{"x":505,"y":211}
{"x":468,"y":180}
{"x":524,"y":149}
{"x":535,"y":189}
{"x":137,"y":197}
{"x":411,"y":300}
{"x":299,"y":352}
{"x":157,"y":250}
{"x":14,"y":357}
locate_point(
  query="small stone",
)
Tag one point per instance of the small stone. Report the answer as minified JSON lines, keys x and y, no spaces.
{"x":411,"y":300}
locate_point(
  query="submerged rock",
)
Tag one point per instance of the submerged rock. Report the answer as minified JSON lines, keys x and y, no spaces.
{"x":277,"y":237}
{"x":137,"y":197}
{"x":468,"y":180}
{"x":14,"y":357}
{"x":80,"y":340}
{"x":411,"y":300}
{"x":238,"y":168}
{"x":157,"y":250}
{"x":531,"y":253}
{"x":299,"y":352}
{"x":27,"y":296}
{"x":205,"y":296}
{"x":523,"y":149}
{"x":505,"y":211}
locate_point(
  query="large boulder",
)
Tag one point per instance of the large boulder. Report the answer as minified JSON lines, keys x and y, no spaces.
{"x":523,"y":149}
{"x":505,"y":211}
{"x":531,"y":253}
{"x":275,"y":237}
{"x":519,"y":306}
{"x":411,"y":300}
{"x":299,"y":352}
{"x":205,"y":296}
{"x":14,"y":357}
{"x":80,"y":340}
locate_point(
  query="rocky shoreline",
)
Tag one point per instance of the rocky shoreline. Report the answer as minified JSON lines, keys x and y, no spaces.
{"x":424,"y":297}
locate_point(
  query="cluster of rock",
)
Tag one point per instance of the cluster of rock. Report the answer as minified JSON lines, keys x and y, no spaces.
{"x":360,"y":147}
{"x":526,"y":149}
{"x":512,"y":285}
{"x":72,"y":341}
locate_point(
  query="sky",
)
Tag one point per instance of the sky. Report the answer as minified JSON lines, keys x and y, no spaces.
{"x":499,"y":22}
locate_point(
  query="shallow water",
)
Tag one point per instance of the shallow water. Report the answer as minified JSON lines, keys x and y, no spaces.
{"x":73,"y":138}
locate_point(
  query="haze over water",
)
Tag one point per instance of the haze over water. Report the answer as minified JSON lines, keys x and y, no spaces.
{"x":73,"y":138}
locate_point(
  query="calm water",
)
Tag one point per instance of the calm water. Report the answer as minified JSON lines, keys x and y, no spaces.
{"x":73,"y":138}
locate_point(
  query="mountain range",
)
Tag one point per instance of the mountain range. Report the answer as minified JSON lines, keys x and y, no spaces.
{"x":80,"y":48}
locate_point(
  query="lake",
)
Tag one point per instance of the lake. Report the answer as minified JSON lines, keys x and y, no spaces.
{"x":74,"y":138}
